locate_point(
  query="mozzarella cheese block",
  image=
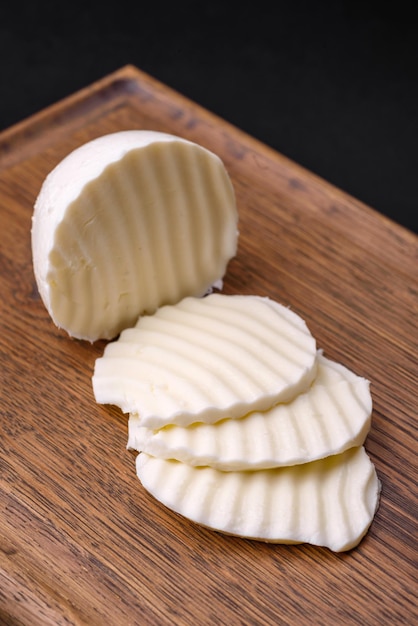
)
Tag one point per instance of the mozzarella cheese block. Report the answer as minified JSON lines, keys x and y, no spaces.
{"x":204,"y":359}
{"x":126,"y":223}
{"x":330,"y":502}
{"x":334,"y":414}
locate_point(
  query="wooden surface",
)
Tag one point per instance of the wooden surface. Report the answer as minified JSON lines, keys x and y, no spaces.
{"x":81,"y":542}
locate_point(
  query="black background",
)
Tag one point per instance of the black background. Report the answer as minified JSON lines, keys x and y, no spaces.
{"x":331,"y":85}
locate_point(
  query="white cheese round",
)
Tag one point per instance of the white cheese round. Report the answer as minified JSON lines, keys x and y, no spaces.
{"x":126,"y":223}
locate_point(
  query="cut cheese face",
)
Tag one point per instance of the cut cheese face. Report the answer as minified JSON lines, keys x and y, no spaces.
{"x":129,"y":222}
{"x":205,"y":359}
{"x":331,"y":416}
{"x":330,"y":502}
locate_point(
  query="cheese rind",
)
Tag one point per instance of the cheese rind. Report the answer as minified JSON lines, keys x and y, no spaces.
{"x":205,"y":358}
{"x":126,"y":223}
{"x":330,"y":502}
{"x":334,"y":414}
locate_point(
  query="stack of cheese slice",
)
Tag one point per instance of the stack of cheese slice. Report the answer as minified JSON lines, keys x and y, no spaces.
{"x":242,"y":424}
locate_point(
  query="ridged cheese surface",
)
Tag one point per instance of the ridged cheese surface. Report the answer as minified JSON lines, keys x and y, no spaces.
{"x":328,"y":503}
{"x":205,"y":359}
{"x":330,"y":417}
{"x":126,"y":223}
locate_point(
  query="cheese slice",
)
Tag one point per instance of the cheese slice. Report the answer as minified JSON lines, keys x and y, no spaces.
{"x":205,"y":358}
{"x":126,"y":223}
{"x":334,"y":414}
{"x":330,"y":502}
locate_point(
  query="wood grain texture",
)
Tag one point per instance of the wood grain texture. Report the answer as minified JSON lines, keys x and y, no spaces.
{"x":81,"y":542}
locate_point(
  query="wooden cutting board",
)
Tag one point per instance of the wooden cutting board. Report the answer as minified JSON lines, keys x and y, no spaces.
{"x":81,"y":542}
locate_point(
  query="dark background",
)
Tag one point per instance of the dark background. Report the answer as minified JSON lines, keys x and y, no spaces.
{"x":331,"y":85}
